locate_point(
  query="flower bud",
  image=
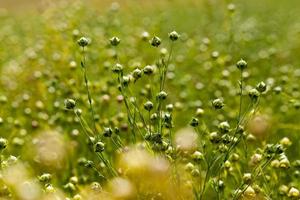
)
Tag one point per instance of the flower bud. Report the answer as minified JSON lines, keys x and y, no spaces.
{"x":224,"y":127}
{"x":194,"y":122}
{"x":261,"y":87}
{"x":247,"y":177}
{"x":174,"y":36}
{"x":107,"y":132}
{"x":114,"y":41}
{"x":118,"y":68}
{"x":99,"y":147}
{"x":294,"y":192}
{"x":137,"y":73}
{"x":217,"y":103}
{"x":197,"y":156}
{"x":241,"y":64}
{"x":3,"y":143}
{"x":162,"y":95}
{"x":70,"y":104}
{"x":148,"y":105}
{"x":253,"y":94}
{"x":83,"y":41}
{"x":45,"y":177}
{"x":148,"y":70}
{"x":155,"y":41}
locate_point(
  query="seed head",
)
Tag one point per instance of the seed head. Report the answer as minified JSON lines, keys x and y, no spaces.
{"x":194,"y":122}
{"x":137,"y":73}
{"x":99,"y":147}
{"x":107,"y":132}
{"x":118,"y":68}
{"x":148,"y":70}
{"x":162,"y":95}
{"x":148,"y":105}
{"x":261,"y":87}
{"x":70,"y":104}
{"x":83,"y":41}
{"x":241,"y":64}
{"x":224,"y":127}
{"x":114,"y":41}
{"x":174,"y":36}
{"x":218,"y":104}
{"x":155,"y":41}
{"x":254,"y":94}
{"x":3,"y":143}
{"x":294,"y":192}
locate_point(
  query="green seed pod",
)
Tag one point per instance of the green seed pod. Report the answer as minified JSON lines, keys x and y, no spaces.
{"x":283,"y":189}
{"x":107,"y":132}
{"x":114,"y":41}
{"x":194,"y":122}
{"x":214,"y":137}
{"x":199,"y":112}
{"x":254,"y":94}
{"x":195,"y":172}
{"x":162,"y":95}
{"x":174,"y":36}
{"x":224,"y":127}
{"x":83,"y":41}
{"x":148,"y":105}
{"x":197,"y":156}
{"x":247,"y":177}
{"x":137,"y":73}
{"x":154,"y":117}
{"x":189,"y":167}
{"x":169,"y":107}
{"x":217,"y":104}
{"x":70,"y":187}
{"x":261,"y":87}
{"x":294,"y":193}
{"x":45,"y":177}
{"x":3,"y":143}
{"x":148,"y":70}
{"x":70,"y":104}
{"x":231,"y":7}
{"x":99,"y":147}
{"x":241,"y":64}
{"x":118,"y":68}
{"x":155,"y":41}
{"x":125,"y":80}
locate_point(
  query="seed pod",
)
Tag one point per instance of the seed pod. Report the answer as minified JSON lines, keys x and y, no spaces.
{"x":137,"y":73}
{"x":294,"y":193}
{"x":253,"y":94}
{"x":194,"y":122}
{"x":241,"y":64}
{"x":99,"y":147}
{"x":114,"y":41}
{"x":174,"y":36}
{"x":155,"y":41}
{"x":70,"y":104}
{"x":118,"y":68}
{"x":261,"y":87}
{"x":247,"y":177}
{"x":3,"y":143}
{"x":83,"y":41}
{"x":162,"y":95}
{"x":148,"y":70}
{"x":214,"y":137}
{"x":45,"y":177}
{"x":224,"y":127}
{"x":217,"y":104}
{"x":197,"y":156}
{"x":107,"y":132}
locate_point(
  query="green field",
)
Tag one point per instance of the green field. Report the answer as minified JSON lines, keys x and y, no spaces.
{"x":158,"y":100}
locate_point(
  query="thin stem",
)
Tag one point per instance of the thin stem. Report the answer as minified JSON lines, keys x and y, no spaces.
{"x":83,"y":63}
